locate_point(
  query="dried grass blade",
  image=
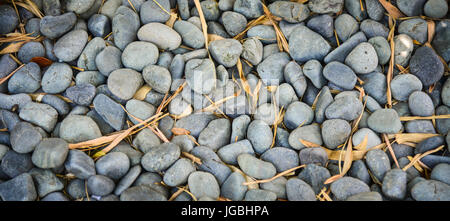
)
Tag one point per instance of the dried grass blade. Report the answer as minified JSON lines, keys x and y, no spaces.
{"x":2,"y":80}
{"x":250,"y":25}
{"x":94,"y":142}
{"x":214,"y":37}
{"x":407,"y":118}
{"x":180,"y":131}
{"x":142,"y":92}
{"x":391,"y":151}
{"x":281,"y":40}
{"x":276,"y":176}
{"x":363,"y":144}
{"x":203,"y":21}
{"x":412,"y":137}
{"x":12,"y":48}
{"x":431,"y":30}
{"x":420,"y":156}
{"x":192,"y":157}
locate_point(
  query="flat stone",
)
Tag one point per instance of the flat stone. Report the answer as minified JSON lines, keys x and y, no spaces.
{"x":203,"y":184}
{"x":113,"y":165}
{"x":309,"y":46}
{"x":13,"y":164}
{"x":348,"y":186}
{"x":111,"y":112}
{"x":125,"y":24}
{"x":79,"y":164}
{"x":335,"y":132}
{"x":70,"y":45}
{"x":256,"y":168}
{"x":340,"y":74}
{"x":158,"y":78}
{"x":25,"y":80}
{"x":154,"y":32}
{"x":426,"y":65}
{"x":178,"y":173}
{"x":124,"y":83}
{"x":299,"y":190}
{"x":378,"y":163}
{"x":43,"y":115}
{"x":139,"y":54}
{"x":160,"y":157}
{"x":384,"y":121}
{"x":309,"y":133}
{"x":50,"y":153}
{"x":77,"y":128}
{"x":20,"y":188}
{"x":230,"y":152}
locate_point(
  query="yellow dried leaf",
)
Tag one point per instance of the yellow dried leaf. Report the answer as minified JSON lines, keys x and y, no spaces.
{"x":203,"y":21}
{"x":412,"y":137}
{"x":363,"y":144}
{"x":391,"y":9}
{"x":180,"y":131}
{"x":142,"y":92}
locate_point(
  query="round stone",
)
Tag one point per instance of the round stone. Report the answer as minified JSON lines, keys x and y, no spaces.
{"x":260,"y":135}
{"x":160,"y":158}
{"x":161,"y":35}
{"x":139,"y":54}
{"x":385,"y":121}
{"x":17,"y":135}
{"x":363,"y":59}
{"x":420,"y":104}
{"x":345,"y":108}
{"x":124,"y":83}
{"x":282,"y":158}
{"x":203,"y":184}
{"x":340,"y":75}
{"x":335,"y":132}
{"x":190,"y":34}
{"x":108,"y":60}
{"x":50,"y":153}
{"x":426,"y":65}
{"x":403,"y":85}
{"x":158,"y":78}
{"x":113,"y":165}
{"x":305,"y":45}
{"x":70,"y":45}
{"x":100,"y":185}
{"x":200,"y":75}
{"x":299,"y":190}
{"x":348,"y":186}
{"x":297,"y":114}
{"x":79,"y":164}
{"x":226,"y":51}
{"x":378,"y":163}
{"x":77,"y":128}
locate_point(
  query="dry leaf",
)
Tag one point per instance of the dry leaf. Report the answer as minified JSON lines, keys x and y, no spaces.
{"x":275,"y":177}
{"x":412,"y":137}
{"x":2,"y":80}
{"x":12,"y":48}
{"x":180,"y":131}
{"x":142,"y":92}
{"x":431,"y":29}
{"x":363,"y":144}
{"x":392,"y":10}
{"x":42,"y":62}
{"x":214,"y":37}
{"x":420,"y":156}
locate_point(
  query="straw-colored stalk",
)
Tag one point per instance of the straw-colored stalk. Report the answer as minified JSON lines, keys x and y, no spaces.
{"x":420,"y":156}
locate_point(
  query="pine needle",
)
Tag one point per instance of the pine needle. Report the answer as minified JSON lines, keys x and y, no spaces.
{"x":281,"y":40}
{"x":386,"y":139}
{"x":192,"y":158}
{"x":180,"y":131}
{"x":434,"y":117}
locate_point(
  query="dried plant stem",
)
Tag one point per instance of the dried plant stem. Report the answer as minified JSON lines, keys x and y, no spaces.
{"x":275,"y":177}
{"x":386,"y":139}
{"x":420,"y":156}
{"x":2,"y":80}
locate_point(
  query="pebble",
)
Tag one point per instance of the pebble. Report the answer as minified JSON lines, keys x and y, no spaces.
{"x":190,"y":34}
{"x":252,"y":50}
{"x":152,"y":32}
{"x":378,"y":163}
{"x":8,"y":18}
{"x":13,"y":164}
{"x":99,"y":25}
{"x":309,"y":133}
{"x":260,"y":195}
{"x":232,"y":188}
{"x":109,"y":8}
{"x":299,"y":190}
{"x":233,"y":22}
{"x":226,"y":52}
{"x":375,"y":86}
{"x":30,"y":50}
{"x":420,"y":126}
{"x":340,"y":53}
{"x":441,"y":173}
{"x":314,"y":155}
{"x":21,"y":130}
{"x":298,"y":113}
{"x":50,"y":153}
{"x":345,"y":26}
{"x":55,"y":196}
{"x":260,"y":135}
{"x":200,"y":75}
{"x":25,"y":80}
{"x":426,"y":65}
{"x":354,"y":8}
{"x":113,"y":165}
{"x":142,"y":193}
{"x":230,"y":152}
{"x":90,"y":77}
{"x":125,"y":23}
{"x":100,"y":185}
{"x":79,"y":164}
{"x":81,"y":94}
{"x":363,"y":58}
{"x":440,"y":41}
{"x":282,"y":158}
{"x":403,"y":48}
{"x":20,"y":188}
{"x":335,"y":132}
{"x":195,"y":122}
{"x":340,"y":75}
{"x":432,"y":160}
{"x":110,"y":111}
{"x":160,"y":158}
{"x":346,"y":187}
{"x":271,"y":68}
{"x":146,"y":140}
{"x":124,"y":89}
{"x":256,"y":168}
{"x":43,"y":115}
{"x":178,"y":173}
{"x":372,"y":138}
{"x":277,"y":186}
{"x":373,"y":28}
{"x":78,"y":128}
{"x":367,"y":196}
{"x":152,"y":12}
{"x":216,"y":168}
{"x":431,"y":190}
{"x":313,"y":70}
{"x":108,"y":60}
{"x":429,"y":144}
{"x":216,"y":134}
{"x":249,"y":8}
{"x":139,"y":54}
{"x":436,"y":8}
{"x":309,"y":46}
{"x":57,"y":78}
{"x":445,"y":93}
{"x":415,"y":28}
{"x":346,"y":108}
{"x":382,"y":48}
{"x":133,"y":154}
{"x":70,"y":45}
{"x":203,"y":184}
{"x":420,"y":104}
{"x":315,"y":176}
{"x":326,"y":6}
{"x":266,"y":34}
{"x":127,"y":180}
{"x":384,"y":121}
{"x":322,"y":24}
{"x":158,"y":78}
{"x":296,"y":12}
{"x":323,"y":101}
{"x":394,"y":184}
{"x":139,"y":109}
{"x":239,"y":128}
{"x":359,"y":171}
{"x":403,"y":85}
{"x":442,"y":125}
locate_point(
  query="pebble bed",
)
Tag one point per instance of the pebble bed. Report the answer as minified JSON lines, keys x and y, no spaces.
{"x":326,"y":100}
